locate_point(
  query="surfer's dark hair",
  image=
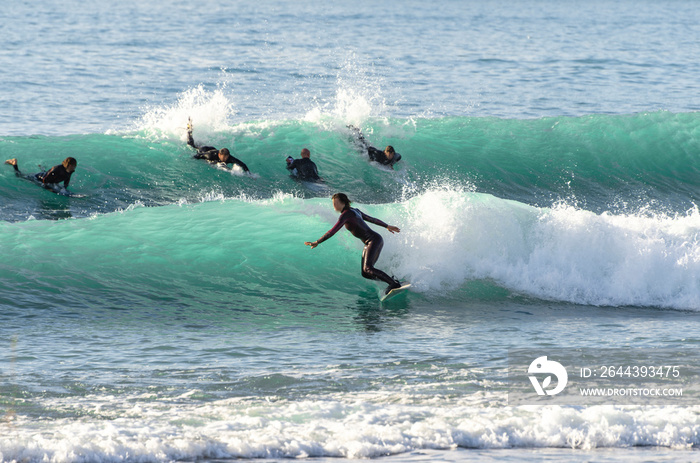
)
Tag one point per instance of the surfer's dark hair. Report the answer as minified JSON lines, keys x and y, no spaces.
{"x":343,"y":198}
{"x":69,"y":162}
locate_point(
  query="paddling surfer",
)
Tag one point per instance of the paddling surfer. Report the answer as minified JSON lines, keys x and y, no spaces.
{"x":213,"y":155}
{"x":388,"y":157}
{"x":57,"y":174}
{"x":303,"y":168}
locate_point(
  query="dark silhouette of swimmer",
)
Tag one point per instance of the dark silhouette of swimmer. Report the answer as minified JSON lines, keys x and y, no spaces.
{"x":356,"y":222}
{"x":388,"y":157}
{"x":54,"y":176}
{"x":304,"y":168}
{"x":213,"y":155}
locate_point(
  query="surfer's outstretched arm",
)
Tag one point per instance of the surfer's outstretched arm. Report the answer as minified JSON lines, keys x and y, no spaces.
{"x":341,"y":221}
{"x":328,"y":234}
{"x":370,"y":219}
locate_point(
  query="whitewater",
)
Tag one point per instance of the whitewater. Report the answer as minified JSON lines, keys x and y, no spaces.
{"x":169,"y":310}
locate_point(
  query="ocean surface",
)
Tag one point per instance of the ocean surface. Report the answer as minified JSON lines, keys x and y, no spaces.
{"x":169,"y":310}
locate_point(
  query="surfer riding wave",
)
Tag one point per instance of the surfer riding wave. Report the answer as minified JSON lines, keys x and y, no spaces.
{"x":356,"y":222}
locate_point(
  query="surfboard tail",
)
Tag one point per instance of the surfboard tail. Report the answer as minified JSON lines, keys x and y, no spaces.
{"x":395,"y":292}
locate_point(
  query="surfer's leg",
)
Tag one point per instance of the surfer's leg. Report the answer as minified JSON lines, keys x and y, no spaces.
{"x":359,"y":138}
{"x":369,"y":257}
{"x":13,"y":163}
{"x":190,"y":140}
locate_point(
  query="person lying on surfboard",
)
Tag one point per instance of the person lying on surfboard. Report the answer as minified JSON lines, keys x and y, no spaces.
{"x":303,"y":168}
{"x":213,"y":155}
{"x":388,"y":157}
{"x":54,"y":176}
{"x":356,"y":223}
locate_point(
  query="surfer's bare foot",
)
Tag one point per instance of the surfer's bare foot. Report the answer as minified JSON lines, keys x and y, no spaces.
{"x":12,"y":162}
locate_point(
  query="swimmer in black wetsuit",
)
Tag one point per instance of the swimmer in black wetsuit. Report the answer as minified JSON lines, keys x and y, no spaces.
{"x":388,"y":157}
{"x":213,"y":155}
{"x":305,"y":167}
{"x":55,"y":175}
{"x":355,"y":221}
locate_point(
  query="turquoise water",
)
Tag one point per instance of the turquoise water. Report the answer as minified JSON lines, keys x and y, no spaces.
{"x":170,"y":310}
{"x":603,"y":163}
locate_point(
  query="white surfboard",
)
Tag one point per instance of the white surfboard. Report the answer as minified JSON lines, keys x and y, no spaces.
{"x":395,"y":291}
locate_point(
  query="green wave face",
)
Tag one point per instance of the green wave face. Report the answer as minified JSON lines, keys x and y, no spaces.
{"x":601,"y":163}
{"x":596,"y":210}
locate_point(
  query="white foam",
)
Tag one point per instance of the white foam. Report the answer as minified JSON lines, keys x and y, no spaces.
{"x":451,"y":236}
{"x":363,"y":425}
{"x":210,"y":111}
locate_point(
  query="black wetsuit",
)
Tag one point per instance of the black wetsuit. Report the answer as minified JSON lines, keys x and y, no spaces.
{"x":354,"y":221}
{"x":56,"y":174}
{"x":211,"y":154}
{"x":306,"y":169}
{"x":374,"y":154}
{"x":380,"y":157}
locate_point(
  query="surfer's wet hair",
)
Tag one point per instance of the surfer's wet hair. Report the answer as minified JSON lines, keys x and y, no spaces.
{"x":70,"y":162}
{"x":343,"y":198}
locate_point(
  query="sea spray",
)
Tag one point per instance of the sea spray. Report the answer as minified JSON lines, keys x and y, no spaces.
{"x":563,"y":253}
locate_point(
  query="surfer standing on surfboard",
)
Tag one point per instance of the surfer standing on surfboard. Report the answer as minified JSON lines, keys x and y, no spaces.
{"x":55,"y":175}
{"x":356,"y":223}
